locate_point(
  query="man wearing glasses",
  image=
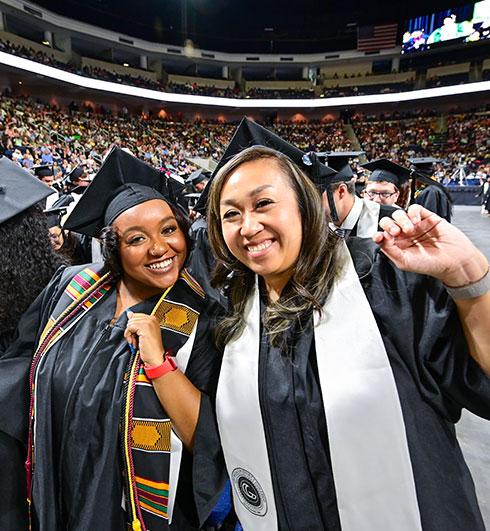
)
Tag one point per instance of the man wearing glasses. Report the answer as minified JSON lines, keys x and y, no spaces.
{"x":385,"y":182}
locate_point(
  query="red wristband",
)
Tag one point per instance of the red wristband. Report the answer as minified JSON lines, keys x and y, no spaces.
{"x":167,"y":366}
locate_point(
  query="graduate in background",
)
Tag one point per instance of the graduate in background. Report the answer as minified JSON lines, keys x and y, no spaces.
{"x":352,"y":215}
{"x":27,"y":265}
{"x":432,"y":195}
{"x":388,"y":183}
{"x":342,"y":378}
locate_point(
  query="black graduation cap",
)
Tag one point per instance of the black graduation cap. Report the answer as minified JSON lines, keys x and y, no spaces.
{"x":19,"y":189}
{"x":197,"y":177}
{"x":422,"y":169}
{"x":386,"y":170}
{"x":424,"y":164}
{"x":248,"y":134}
{"x":121,"y":175}
{"x":339,"y":161}
{"x":42,"y":170}
{"x":54,"y":215}
{"x":73,"y":175}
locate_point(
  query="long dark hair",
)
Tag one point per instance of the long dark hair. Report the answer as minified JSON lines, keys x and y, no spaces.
{"x":110,"y":243}
{"x":315,"y":268}
{"x":28,"y":263}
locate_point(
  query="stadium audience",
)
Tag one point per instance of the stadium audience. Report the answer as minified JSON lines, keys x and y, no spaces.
{"x":33,"y":133}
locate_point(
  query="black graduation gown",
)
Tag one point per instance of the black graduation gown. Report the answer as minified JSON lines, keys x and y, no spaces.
{"x":435,"y":378}
{"x":77,"y":483}
{"x":436,"y":200}
{"x":13,"y":504}
{"x":201,"y":260}
{"x":384,"y":211}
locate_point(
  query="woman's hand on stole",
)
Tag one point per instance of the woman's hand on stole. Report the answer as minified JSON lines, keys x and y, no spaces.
{"x":422,"y":242}
{"x":143,"y":333}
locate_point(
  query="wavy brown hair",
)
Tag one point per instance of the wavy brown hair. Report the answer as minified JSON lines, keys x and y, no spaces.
{"x":315,"y":268}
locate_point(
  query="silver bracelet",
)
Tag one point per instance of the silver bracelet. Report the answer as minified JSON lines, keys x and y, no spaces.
{"x":477,"y":289}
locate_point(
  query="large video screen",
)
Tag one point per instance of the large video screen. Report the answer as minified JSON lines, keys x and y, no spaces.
{"x":464,"y":24}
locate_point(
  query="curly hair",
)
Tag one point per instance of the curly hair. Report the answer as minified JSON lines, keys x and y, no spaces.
{"x":110,"y":243}
{"x":315,"y":269}
{"x":28,"y":263}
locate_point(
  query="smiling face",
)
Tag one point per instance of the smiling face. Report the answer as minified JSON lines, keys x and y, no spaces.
{"x":261,"y":221}
{"x":152,"y":246}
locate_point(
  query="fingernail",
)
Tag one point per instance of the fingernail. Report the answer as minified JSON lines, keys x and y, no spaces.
{"x":393,"y":230}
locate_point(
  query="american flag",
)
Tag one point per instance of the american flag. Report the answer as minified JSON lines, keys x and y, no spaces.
{"x":375,"y":38}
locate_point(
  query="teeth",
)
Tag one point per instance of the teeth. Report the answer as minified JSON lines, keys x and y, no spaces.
{"x":260,"y":247}
{"x":161,"y":265}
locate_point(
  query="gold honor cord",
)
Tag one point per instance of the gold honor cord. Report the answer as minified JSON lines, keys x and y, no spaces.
{"x":135,"y":524}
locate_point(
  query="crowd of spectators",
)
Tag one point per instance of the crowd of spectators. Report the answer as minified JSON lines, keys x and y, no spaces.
{"x":204,"y":90}
{"x":460,"y":141}
{"x":38,"y":133}
{"x":448,"y":80}
{"x":235,"y":92}
{"x":290,"y":93}
{"x":29,"y":53}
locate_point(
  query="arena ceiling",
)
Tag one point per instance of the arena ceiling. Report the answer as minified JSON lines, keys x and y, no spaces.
{"x":251,"y":26}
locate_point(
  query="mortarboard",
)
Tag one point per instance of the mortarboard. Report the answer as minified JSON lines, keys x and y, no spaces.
{"x":54,"y":215}
{"x":122,"y":181}
{"x":66,"y":183}
{"x":422,"y":169}
{"x":386,"y":170}
{"x":19,"y":189}
{"x":339,"y":161}
{"x":197,"y":177}
{"x":424,"y":164}
{"x":42,"y":170}
{"x":248,"y":134}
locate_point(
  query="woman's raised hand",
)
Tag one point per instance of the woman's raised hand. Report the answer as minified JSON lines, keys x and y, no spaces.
{"x":143,"y":332}
{"x":422,"y":242}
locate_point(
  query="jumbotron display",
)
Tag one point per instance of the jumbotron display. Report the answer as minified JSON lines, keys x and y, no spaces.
{"x":470,"y":23}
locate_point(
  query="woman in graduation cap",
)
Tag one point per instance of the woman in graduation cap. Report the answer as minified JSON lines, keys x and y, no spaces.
{"x":340,"y":381}
{"x":112,"y":408}
{"x":27,"y":264}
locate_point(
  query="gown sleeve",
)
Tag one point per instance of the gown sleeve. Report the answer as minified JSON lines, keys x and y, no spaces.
{"x":209,"y":472}
{"x":420,"y":327}
{"x":451,"y":378}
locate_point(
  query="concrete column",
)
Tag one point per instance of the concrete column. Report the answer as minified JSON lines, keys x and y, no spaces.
{"x":62,"y":41}
{"x":48,"y":37}
{"x":144,"y":62}
{"x":155,"y":65}
{"x":305,"y":73}
{"x":236,"y":73}
{"x":225,"y":72}
{"x":3,"y":25}
{"x":395,"y":64}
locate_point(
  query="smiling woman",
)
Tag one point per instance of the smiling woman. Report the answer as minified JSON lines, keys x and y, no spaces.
{"x":344,"y":366}
{"x":120,"y":354}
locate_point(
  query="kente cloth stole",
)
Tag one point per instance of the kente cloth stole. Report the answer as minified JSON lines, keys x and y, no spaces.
{"x":151,"y":450}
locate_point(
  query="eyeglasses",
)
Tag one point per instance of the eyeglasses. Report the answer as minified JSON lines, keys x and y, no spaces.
{"x":384,"y":195}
